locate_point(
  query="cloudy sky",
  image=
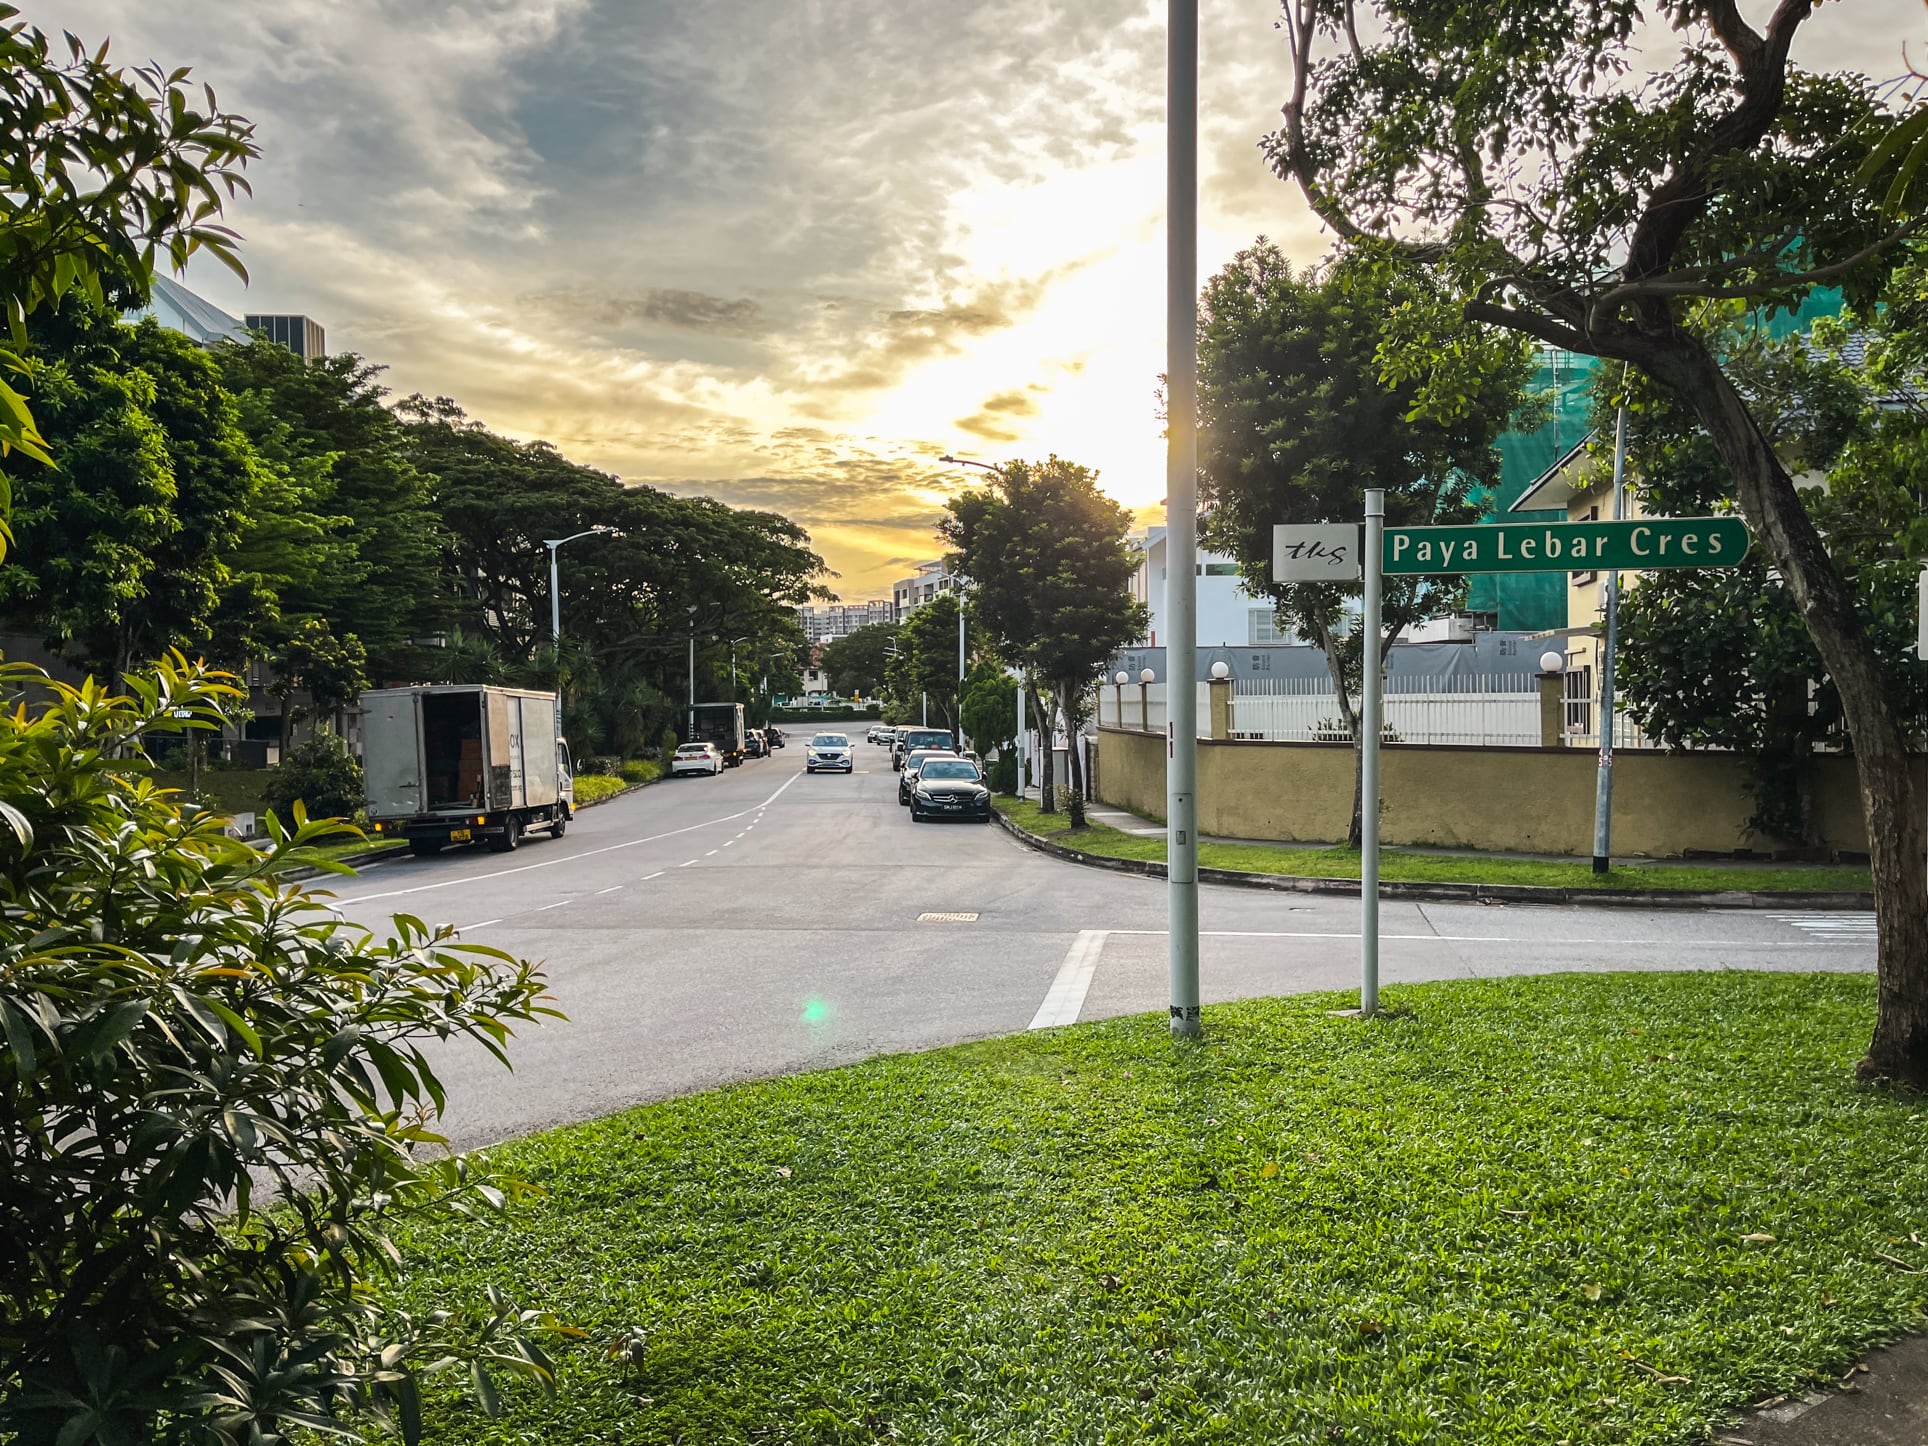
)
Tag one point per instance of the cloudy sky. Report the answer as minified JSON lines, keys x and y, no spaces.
{"x":784,"y":252}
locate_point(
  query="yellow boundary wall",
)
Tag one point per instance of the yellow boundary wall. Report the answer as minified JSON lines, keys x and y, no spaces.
{"x":1508,"y":800}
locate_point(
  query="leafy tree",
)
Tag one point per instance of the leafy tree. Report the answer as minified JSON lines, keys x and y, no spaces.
{"x":1050,"y":572}
{"x":331,"y":670}
{"x":990,"y":707}
{"x":924,"y":668}
{"x":104,"y":170}
{"x":855,"y":663}
{"x":123,"y":548}
{"x":627,"y":599}
{"x":320,"y":775}
{"x":183,"y":1028}
{"x":1720,"y":657}
{"x":344,"y":531}
{"x":1572,"y":192}
{"x":1297,"y":420}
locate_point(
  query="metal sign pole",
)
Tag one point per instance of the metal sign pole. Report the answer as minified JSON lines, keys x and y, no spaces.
{"x":1181,"y":510}
{"x":1603,"y":778}
{"x":1370,"y":697}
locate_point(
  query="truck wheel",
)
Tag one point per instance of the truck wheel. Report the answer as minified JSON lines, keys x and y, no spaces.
{"x":424,"y":848}
{"x":508,"y":840}
{"x":557,"y":828}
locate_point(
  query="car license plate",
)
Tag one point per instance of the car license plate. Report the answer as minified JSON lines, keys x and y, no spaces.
{"x":459,"y":835}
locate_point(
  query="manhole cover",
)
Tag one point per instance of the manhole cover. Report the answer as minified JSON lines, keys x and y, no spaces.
{"x":947,"y":918}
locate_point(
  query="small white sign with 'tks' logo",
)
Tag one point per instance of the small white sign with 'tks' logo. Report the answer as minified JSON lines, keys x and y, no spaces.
{"x":1316,"y":552}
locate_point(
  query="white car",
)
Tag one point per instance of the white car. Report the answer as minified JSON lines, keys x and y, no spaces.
{"x":829,"y":753}
{"x":696,"y":758}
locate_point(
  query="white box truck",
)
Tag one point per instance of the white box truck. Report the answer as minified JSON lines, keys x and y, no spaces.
{"x":459,"y":763}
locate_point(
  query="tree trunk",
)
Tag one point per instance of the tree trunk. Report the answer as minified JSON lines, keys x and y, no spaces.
{"x":1350,"y":719}
{"x":1073,"y":765}
{"x":1041,"y":709}
{"x":1890,"y":802}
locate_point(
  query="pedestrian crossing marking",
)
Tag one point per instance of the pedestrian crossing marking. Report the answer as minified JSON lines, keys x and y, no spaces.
{"x":1856,"y":927}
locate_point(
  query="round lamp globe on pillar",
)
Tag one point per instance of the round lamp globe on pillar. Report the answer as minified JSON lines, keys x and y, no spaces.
{"x":1118,"y":681}
{"x":1220,"y":671}
{"x":1551,"y":662}
{"x":1144,"y":698}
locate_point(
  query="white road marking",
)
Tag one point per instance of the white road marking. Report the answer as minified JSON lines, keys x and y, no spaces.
{"x":1495,"y":939}
{"x":483,"y":925}
{"x":1836,"y":927}
{"x":1067,"y":995}
{"x":726,"y":845}
{"x":570,"y":858}
{"x":557,"y":905}
{"x":710,"y":855}
{"x":610,"y":890}
{"x":657,"y":875}
{"x":687,"y":862}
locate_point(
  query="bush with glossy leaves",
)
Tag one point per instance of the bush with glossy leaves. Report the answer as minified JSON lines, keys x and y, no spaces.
{"x":213,"y":1092}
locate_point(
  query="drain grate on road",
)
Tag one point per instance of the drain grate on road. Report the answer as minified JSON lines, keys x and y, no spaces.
{"x":947,"y":918}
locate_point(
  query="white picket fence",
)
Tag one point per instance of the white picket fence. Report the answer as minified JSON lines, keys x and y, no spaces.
{"x":1493,"y":710}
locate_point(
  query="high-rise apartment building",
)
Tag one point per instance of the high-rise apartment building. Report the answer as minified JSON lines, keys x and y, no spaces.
{"x":827,"y":623}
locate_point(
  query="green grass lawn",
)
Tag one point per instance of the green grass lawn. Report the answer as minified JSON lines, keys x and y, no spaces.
{"x":1407,"y":866}
{"x":1507,"y":1213}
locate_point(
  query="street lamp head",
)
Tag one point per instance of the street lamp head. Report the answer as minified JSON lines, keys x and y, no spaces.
{"x":1220,"y":672}
{"x":1146,"y":676}
{"x":607,"y":531}
{"x":1552,"y":662}
{"x":1122,"y":678}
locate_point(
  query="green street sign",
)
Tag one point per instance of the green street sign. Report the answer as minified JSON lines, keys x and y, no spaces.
{"x":1651,"y":542}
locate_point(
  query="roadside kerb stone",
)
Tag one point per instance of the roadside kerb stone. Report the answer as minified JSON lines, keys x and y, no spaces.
{"x":1448,"y":892}
{"x":370,"y":855}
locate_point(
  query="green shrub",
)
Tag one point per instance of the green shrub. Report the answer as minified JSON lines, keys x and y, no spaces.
{"x":601,"y":763}
{"x":1004,"y":772}
{"x":183,"y":1027}
{"x":321,"y":776}
{"x":640,"y":770}
{"x":595,"y":787}
{"x":668,"y":743}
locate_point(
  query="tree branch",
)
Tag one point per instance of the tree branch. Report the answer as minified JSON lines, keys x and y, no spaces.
{"x":1681,"y":284}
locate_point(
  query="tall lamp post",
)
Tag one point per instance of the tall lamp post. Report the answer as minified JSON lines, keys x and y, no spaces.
{"x":555,"y":598}
{"x":733,"y":642}
{"x":555,"y":593}
{"x":692,"y":655}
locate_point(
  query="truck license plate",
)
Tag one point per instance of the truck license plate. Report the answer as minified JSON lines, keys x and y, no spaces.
{"x":458,"y":835}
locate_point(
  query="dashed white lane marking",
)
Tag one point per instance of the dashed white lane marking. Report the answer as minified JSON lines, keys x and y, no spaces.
{"x":726,"y":845}
{"x":1837,"y":927}
{"x":710,"y":855}
{"x":1068,"y":990}
{"x":557,"y":905}
{"x":687,"y":862}
{"x":483,"y":925}
{"x":657,"y":875}
{"x":571,"y":858}
{"x":610,"y":890}
{"x":1728,"y":944}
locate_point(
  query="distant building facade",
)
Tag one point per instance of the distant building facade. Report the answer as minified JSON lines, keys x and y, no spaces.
{"x":827,"y":623}
{"x":302,"y":335}
{"x":931,"y":581}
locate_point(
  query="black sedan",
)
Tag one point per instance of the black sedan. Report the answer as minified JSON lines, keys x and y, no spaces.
{"x":950,"y":788}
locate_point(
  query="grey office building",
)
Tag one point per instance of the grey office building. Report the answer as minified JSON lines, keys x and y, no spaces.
{"x":300,"y":334}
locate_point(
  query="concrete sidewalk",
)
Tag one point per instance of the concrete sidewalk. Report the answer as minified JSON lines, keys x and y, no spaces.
{"x":1881,"y":1402}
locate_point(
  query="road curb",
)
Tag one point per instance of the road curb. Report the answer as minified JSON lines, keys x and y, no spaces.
{"x":1443,"y":893}
{"x":370,"y":856}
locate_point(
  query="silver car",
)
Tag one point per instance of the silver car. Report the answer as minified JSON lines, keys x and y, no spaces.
{"x":829,"y":753}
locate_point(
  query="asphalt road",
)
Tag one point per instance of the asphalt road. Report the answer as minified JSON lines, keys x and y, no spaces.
{"x":705,"y":930}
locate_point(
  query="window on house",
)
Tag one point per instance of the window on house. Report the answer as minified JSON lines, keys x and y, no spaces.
{"x":1581,"y":579}
{"x":1264,"y":625}
{"x":1221,"y":569}
{"x":1579,"y":700}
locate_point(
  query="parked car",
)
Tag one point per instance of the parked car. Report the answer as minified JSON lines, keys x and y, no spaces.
{"x":829,"y":753}
{"x":773,"y":736}
{"x":914,"y":761}
{"x":877,"y":733}
{"x":756,"y":744}
{"x":697,"y":758}
{"x":949,"y":788}
{"x":912,"y":738}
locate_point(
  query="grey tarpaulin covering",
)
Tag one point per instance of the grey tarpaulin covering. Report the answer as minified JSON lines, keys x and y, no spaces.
{"x":1487,"y":654}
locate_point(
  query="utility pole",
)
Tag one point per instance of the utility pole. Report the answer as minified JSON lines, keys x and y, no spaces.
{"x":1603,"y":776}
{"x":1371,"y":699}
{"x":1181,"y":511}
